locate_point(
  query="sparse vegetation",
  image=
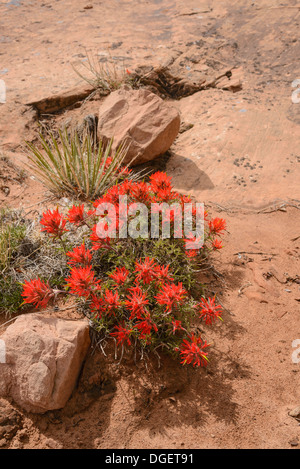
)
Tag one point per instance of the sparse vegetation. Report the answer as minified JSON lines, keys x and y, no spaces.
{"x":24,"y":254}
{"x":104,"y":77}
{"x":71,"y":166}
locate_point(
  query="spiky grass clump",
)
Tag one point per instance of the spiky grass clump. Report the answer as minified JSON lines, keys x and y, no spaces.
{"x":104,"y":77}
{"x":71,"y":166}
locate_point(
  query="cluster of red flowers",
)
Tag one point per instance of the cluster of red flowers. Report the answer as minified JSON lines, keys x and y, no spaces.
{"x":136,"y":304}
{"x":171,"y":295}
{"x":82,"y":281}
{"x":37,"y":293}
{"x":80,"y":255}
{"x":139,"y":302}
{"x":159,"y":190}
{"x":209,"y":311}
{"x":193,"y":351}
{"x":54,"y":223}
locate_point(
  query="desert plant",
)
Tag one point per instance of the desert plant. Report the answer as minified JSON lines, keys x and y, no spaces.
{"x":105,"y":77}
{"x":76,"y":167}
{"x":24,"y":254}
{"x":11,"y":236}
{"x":134,"y":290}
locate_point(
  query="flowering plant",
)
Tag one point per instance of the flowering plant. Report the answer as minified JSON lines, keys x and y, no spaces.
{"x":135,"y":291}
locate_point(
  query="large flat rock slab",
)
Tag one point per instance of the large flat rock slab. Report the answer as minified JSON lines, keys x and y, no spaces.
{"x":240,"y":151}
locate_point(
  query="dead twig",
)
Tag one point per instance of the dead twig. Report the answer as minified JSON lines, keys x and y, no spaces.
{"x":247,"y":285}
{"x":254,"y":253}
{"x":280,"y":208}
{"x":192,"y":13}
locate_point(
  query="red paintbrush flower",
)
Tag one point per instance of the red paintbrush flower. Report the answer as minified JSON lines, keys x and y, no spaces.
{"x":160,"y":182}
{"x":108,"y":162}
{"x":170,"y":214}
{"x":82,"y":281}
{"x":193,"y":243}
{"x":185,"y":199}
{"x":91,"y":214}
{"x":145,"y":327}
{"x":123,"y":171}
{"x":97,"y":202}
{"x":165,"y":195}
{"x":99,"y":243}
{"x":139,"y":191}
{"x":96,"y":306}
{"x":162,"y":273}
{"x":122,"y":335}
{"x":177,"y":326}
{"x":217,"y":244}
{"x":119,"y":275}
{"x":111,"y":302}
{"x":76,"y":214}
{"x":37,"y":292}
{"x":54,"y":223}
{"x":192,"y":253}
{"x":171,"y":295}
{"x":146,"y":270}
{"x":193,"y":352}
{"x":209,"y":311}
{"x":112,"y":196}
{"x":80,"y":255}
{"x":217,"y":225}
{"x":125,"y":187}
{"x":136,"y":302}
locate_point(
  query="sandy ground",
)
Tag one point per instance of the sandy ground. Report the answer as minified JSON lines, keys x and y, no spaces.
{"x":241,"y":158}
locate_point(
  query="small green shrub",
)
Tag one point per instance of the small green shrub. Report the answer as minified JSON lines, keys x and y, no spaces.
{"x":11,"y":236}
{"x":24,"y":254}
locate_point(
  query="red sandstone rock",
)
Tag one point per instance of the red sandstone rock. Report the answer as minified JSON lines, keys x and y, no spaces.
{"x":142,"y":120}
{"x":43,"y":359}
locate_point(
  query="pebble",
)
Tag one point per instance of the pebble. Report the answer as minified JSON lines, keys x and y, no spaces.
{"x":294,"y":442}
{"x":52,"y":444}
{"x":295,"y":413}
